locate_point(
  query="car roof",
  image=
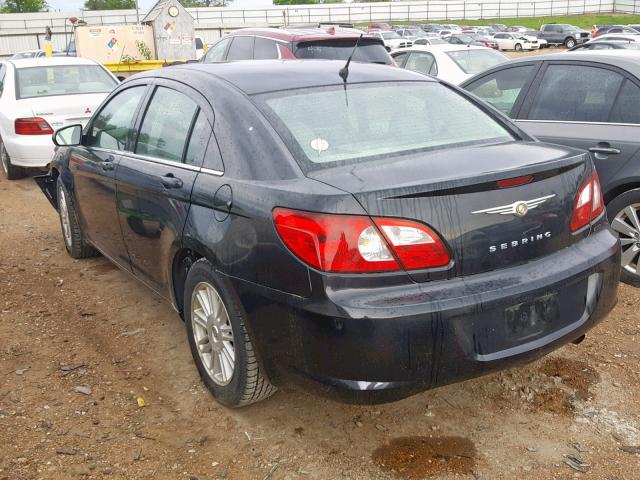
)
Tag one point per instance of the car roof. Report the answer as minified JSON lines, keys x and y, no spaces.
{"x":442,"y":47}
{"x":262,"y":76}
{"x":294,"y":34}
{"x":51,"y":61}
{"x":625,"y":59}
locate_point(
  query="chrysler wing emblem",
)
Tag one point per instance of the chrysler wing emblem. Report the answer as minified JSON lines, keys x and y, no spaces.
{"x":519,"y":208}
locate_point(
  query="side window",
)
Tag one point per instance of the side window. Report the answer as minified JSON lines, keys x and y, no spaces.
{"x":166,"y":125}
{"x":575,"y":93}
{"x":216,"y":53}
{"x":241,"y":48}
{"x":3,"y":73}
{"x":112,"y":127}
{"x":627,"y":107}
{"x":265,"y":49}
{"x":198,"y":142}
{"x":199,"y":44}
{"x":502,"y":88}
{"x":400,"y":58}
{"x":420,"y":62}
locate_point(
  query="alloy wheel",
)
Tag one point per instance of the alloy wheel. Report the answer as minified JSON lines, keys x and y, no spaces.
{"x":213,"y":333}
{"x":64,"y":217}
{"x":627,"y":224}
{"x":4,"y":158}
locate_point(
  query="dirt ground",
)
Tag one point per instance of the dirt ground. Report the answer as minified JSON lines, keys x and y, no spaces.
{"x":81,"y":344}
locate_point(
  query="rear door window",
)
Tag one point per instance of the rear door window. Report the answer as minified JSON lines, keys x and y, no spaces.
{"x":165,"y":128}
{"x":112,"y":127}
{"x":502,"y":88}
{"x":265,"y":49}
{"x":200,"y":135}
{"x":241,"y":48}
{"x":3,"y":73}
{"x":216,"y":52}
{"x":400,"y":58}
{"x":627,"y":106}
{"x":422,"y":62}
{"x":577,"y":93}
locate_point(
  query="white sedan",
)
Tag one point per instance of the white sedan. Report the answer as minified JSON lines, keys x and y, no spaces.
{"x":39,"y":96}
{"x":515,"y":41}
{"x":452,"y":63}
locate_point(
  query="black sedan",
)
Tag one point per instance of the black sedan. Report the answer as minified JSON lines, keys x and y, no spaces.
{"x":606,"y":45}
{"x":588,"y":100}
{"x":298,"y":214}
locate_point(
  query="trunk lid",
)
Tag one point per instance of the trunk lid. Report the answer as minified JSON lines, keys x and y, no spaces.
{"x":61,"y":111}
{"x":455,"y":192}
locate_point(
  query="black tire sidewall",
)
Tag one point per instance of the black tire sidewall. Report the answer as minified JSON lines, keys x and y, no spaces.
{"x":614,"y":207}
{"x":230,"y":394}
{"x":12,"y":172}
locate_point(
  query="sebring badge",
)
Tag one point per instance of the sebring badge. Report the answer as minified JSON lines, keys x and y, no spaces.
{"x":519,"y":208}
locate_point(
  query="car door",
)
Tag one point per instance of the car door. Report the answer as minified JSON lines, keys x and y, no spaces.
{"x":155,"y":179}
{"x":93,"y":166}
{"x":579,"y":104}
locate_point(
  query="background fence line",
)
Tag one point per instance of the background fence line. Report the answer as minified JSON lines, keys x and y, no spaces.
{"x":26,"y":31}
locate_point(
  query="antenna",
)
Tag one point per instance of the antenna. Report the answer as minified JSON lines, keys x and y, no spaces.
{"x":344,"y":71}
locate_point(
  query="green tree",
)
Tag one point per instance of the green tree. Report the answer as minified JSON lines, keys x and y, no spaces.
{"x":110,"y":4}
{"x":23,"y":6}
{"x":205,"y":3}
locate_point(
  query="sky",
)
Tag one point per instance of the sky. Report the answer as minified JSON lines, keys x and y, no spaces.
{"x":75,"y":5}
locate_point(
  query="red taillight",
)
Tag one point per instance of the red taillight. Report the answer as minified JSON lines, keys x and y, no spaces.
{"x":355,"y":244}
{"x":32,"y":126}
{"x":588,"y":204}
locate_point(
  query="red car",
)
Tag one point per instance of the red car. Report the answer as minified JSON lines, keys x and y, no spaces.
{"x":379,"y":26}
{"x":332,"y":43}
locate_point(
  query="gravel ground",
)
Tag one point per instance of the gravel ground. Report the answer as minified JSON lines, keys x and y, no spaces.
{"x":83,"y":346}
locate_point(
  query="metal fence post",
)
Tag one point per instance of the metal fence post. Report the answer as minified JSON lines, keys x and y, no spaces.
{"x":500,"y":7}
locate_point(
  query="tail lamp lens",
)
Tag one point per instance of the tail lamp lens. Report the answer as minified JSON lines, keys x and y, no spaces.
{"x":588,"y":204}
{"x":358,"y":244}
{"x":32,"y":126}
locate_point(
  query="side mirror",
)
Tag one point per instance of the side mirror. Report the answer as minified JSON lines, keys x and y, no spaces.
{"x":68,"y":136}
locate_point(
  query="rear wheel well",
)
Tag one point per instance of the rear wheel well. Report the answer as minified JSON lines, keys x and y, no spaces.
{"x":619,"y":190}
{"x":181,"y":264}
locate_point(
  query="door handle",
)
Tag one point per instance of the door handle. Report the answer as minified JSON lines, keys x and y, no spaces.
{"x":108,"y":164}
{"x":169,"y":181}
{"x":604,"y":149}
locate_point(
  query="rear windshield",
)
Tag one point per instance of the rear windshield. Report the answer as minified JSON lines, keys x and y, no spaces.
{"x":62,"y":80}
{"x":474,"y":61}
{"x":368,"y":51}
{"x":328,"y":126}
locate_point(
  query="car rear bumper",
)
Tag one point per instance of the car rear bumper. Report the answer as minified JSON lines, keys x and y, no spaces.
{"x":401,"y":339}
{"x":31,"y":151}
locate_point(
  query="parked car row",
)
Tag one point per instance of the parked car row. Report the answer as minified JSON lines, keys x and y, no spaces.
{"x":350,"y":221}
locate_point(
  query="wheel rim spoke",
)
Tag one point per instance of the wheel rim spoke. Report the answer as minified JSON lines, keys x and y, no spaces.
{"x":632,"y":215}
{"x":227,"y":333}
{"x":622,"y":227}
{"x":629,"y":255}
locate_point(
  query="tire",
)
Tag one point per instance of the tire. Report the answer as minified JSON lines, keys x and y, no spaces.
{"x":216,"y":337}
{"x":11,"y":172}
{"x":517,"y":47}
{"x":74,"y":240}
{"x":569,"y":42}
{"x":621,"y":209}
